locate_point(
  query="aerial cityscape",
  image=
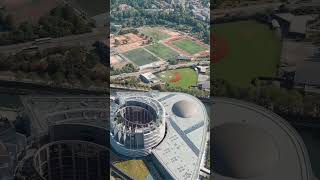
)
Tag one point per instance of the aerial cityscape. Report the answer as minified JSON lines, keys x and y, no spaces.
{"x":54,"y":98}
{"x":265,"y":57}
{"x":159,"y":89}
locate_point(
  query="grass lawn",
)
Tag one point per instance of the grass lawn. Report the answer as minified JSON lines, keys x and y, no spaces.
{"x":162,"y":51}
{"x":252,"y":50}
{"x":189,"y":46}
{"x":140,"y":57}
{"x":134,"y":168}
{"x":155,"y":33}
{"x":189,"y":77}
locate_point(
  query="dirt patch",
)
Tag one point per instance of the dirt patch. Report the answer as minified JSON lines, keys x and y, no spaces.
{"x":127,"y":42}
{"x":177,"y":77}
{"x":117,"y":62}
{"x":170,"y":32}
{"x":220,"y":49}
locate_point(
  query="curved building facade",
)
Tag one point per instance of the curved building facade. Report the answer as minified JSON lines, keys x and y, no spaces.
{"x":137,"y":125}
{"x":65,"y":160}
{"x":170,"y":127}
{"x":251,"y":142}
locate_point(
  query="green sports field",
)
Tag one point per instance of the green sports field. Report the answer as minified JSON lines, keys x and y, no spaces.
{"x":162,"y":51}
{"x":188,"y":77}
{"x":155,"y":33}
{"x":253,"y":49}
{"x":140,"y":56}
{"x":188,"y":45}
{"x":134,"y":168}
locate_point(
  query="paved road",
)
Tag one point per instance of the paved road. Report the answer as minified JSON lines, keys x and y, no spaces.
{"x":252,"y":9}
{"x":81,"y":39}
{"x":125,"y":75}
{"x":247,"y":9}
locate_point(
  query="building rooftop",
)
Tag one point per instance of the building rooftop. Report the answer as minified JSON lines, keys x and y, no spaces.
{"x":181,"y":150}
{"x":254,"y":143}
{"x":298,"y":24}
{"x":308,"y":73}
{"x":46,"y":110}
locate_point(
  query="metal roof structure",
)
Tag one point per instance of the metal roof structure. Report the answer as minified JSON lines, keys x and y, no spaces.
{"x":52,"y":110}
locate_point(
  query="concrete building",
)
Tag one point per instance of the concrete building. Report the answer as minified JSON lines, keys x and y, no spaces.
{"x":307,"y":76}
{"x":202,"y":69}
{"x":204,"y":85}
{"x":146,"y":117}
{"x":149,"y":78}
{"x":293,"y":26}
{"x":11,"y":143}
{"x":68,"y":138}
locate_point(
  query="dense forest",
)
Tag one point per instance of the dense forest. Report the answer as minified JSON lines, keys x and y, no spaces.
{"x":61,"y":21}
{"x":139,"y":15}
{"x":61,"y":65}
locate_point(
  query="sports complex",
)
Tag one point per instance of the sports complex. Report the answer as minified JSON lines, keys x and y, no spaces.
{"x":169,"y":129}
{"x":151,"y":47}
{"x":248,"y":49}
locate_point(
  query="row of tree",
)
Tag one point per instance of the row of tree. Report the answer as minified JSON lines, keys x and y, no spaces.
{"x":6,"y":21}
{"x":128,"y":68}
{"x":61,"y":21}
{"x":285,"y":102}
{"x":74,"y":66}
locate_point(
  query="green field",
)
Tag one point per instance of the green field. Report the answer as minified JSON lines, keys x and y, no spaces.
{"x":162,"y":51}
{"x":189,"y":77}
{"x":253,"y":50}
{"x":189,"y":46}
{"x":140,"y":57}
{"x":134,"y":168}
{"x":155,"y":33}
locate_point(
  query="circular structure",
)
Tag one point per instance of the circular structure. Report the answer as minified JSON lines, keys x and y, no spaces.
{"x":253,"y":143}
{"x":184,"y":109}
{"x":79,"y":160}
{"x":137,"y":125}
{"x":233,"y":139}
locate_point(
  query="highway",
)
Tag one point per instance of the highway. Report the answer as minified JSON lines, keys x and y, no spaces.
{"x":85,"y":39}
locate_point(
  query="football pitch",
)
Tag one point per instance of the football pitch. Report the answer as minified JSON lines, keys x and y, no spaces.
{"x":155,"y":33}
{"x":140,"y":56}
{"x":162,"y":51}
{"x":189,"y":46}
{"x":182,"y":78}
{"x":253,"y":50}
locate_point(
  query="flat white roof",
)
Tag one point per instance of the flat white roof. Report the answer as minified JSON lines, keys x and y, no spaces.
{"x":181,"y":150}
